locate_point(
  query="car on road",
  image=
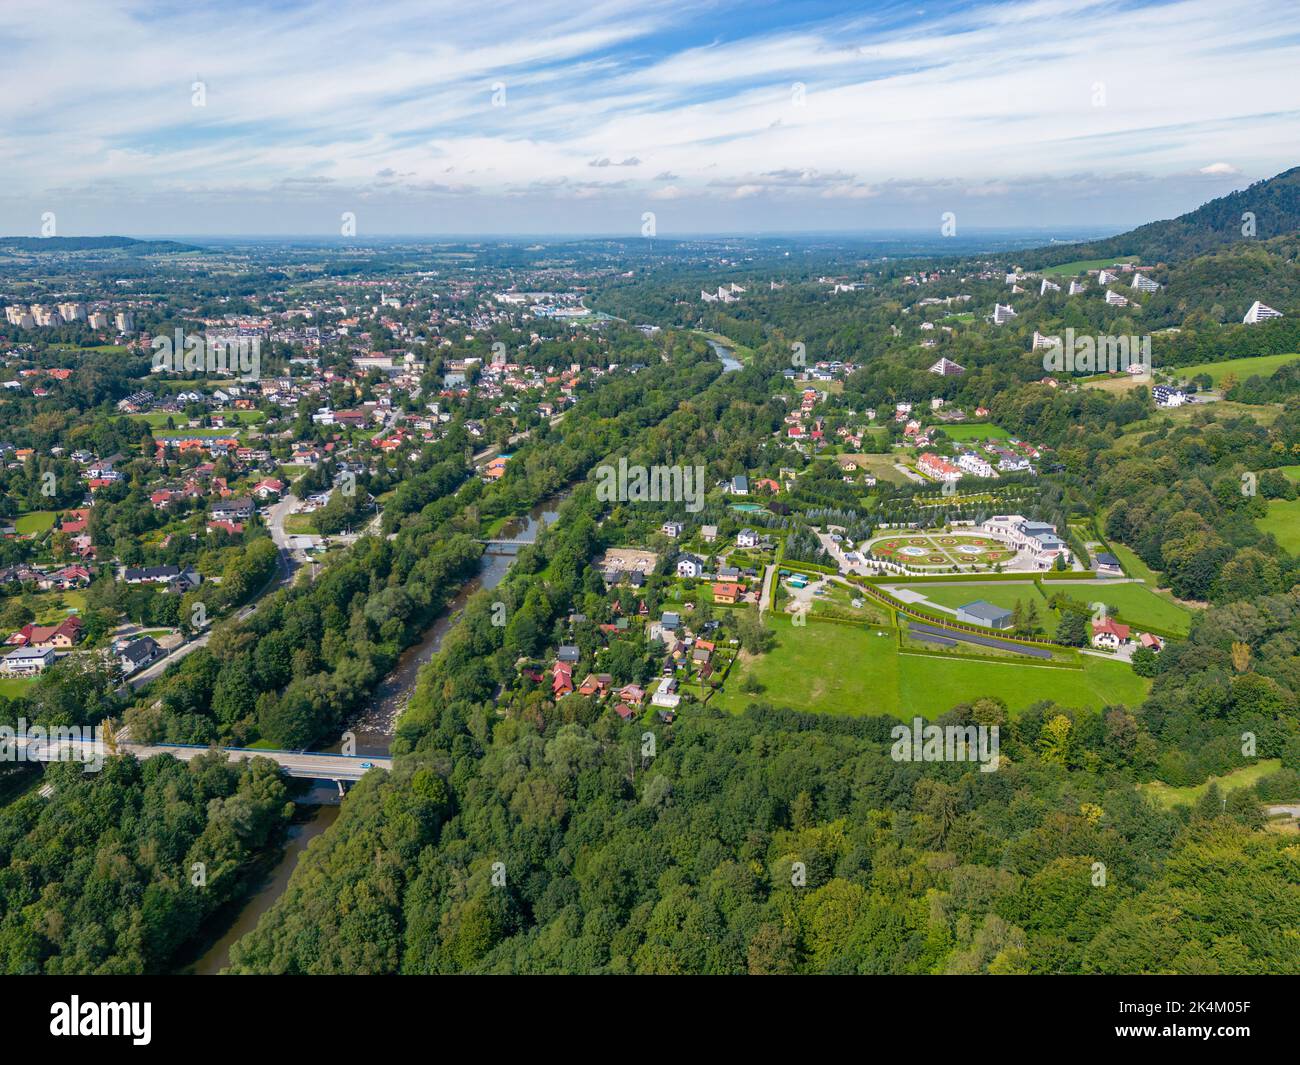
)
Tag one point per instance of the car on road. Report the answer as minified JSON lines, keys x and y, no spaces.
{"x":367,"y":765}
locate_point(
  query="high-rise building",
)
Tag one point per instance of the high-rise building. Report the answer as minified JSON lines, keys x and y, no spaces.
{"x":1260,"y":312}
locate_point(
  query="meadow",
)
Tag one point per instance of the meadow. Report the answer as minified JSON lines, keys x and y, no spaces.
{"x":974,"y":431}
{"x":1241,"y":369}
{"x":1283,"y":521}
{"x":34,"y":522}
{"x":844,"y":669}
{"x":1246,"y":777}
{"x":1082,"y":266}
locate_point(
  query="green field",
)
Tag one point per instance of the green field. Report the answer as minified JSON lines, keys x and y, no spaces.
{"x":1283,"y":521}
{"x":1291,"y":473}
{"x":843,"y":669}
{"x":35,"y":522}
{"x":1081,"y":266}
{"x":1253,"y":366}
{"x":1134,"y":566}
{"x":1246,"y":777}
{"x":13,"y":687}
{"x":974,"y":431}
{"x":300,"y":524}
{"x":1133,"y":604}
{"x":158,"y":419}
{"x":1003,"y":594}
{"x":1138,"y":605}
{"x":879,"y":466}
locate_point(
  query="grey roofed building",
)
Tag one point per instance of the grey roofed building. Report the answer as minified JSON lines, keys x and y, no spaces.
{"x":982,"y":613}
{"x":568,"y":653}
{"x":139,"y":653}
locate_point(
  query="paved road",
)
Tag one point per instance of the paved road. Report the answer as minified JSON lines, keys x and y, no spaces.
{"x":306,"y":764}
{"x":287,"y":566}
{"x":765,"y":600}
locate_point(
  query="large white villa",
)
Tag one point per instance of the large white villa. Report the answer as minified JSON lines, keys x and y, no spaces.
{"x":1036,"y":537}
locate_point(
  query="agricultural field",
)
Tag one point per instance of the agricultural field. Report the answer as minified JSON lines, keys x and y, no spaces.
{"x":843,"y":669}
{"x":1241,"y":369}
{"x":1283,"y":521}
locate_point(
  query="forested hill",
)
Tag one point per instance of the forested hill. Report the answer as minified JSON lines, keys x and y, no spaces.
{"x":67,"y":244}
{"x":1275,"y":204}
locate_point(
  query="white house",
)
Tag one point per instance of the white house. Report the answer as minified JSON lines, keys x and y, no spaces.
{"x":690,"y":566}
{"x":27,"y":661}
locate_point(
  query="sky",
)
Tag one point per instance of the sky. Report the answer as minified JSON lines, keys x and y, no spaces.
{"x":619,"y":116}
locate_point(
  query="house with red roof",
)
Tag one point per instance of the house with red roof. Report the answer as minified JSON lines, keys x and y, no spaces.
{"x":1110,"y":634}
{"x":561,"y":679}
{"x":58,"y":637}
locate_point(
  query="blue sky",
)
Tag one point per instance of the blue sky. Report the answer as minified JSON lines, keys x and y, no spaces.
{"x":120,"y":116}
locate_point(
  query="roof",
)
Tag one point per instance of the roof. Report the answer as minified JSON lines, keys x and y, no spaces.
{"x":30,"y":652}
{"x":985,"y":611}
{"x":1113,"y":627}
{"x":140,"y":650}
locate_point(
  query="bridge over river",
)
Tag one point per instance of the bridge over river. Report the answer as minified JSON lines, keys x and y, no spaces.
{"x":309,"y":765}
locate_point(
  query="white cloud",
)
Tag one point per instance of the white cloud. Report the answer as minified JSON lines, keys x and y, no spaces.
{"x":997,"y":99}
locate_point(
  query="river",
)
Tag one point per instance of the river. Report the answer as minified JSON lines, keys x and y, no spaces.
{"x":730,"y":364}
{"x":373,"y":730}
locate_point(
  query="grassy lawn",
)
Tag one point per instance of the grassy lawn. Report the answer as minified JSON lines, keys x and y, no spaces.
{"x":1136,"y":604}
{"x":1247,"y":776}
{"x":300,"y":523}
{"x":843,"y":669}
{"x":53,"y":607}
{"x":1004,"y":595}
{"x":158,"y":419}
{"x":1291,"y":473}
{"x":13,"y":687}
{"x":974,"y":431}
{"x":1283,"y":521}
{"x":1241,"y":369}
{"x":35,"y":522}
{"x":1080,"y":266}
{"x":879,"y":466}
{"x":1134,"y":566}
